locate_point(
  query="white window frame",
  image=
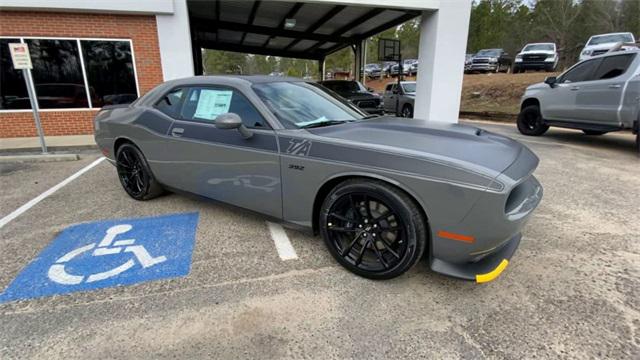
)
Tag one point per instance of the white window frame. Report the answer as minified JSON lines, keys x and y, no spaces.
{"x":84,"y":73}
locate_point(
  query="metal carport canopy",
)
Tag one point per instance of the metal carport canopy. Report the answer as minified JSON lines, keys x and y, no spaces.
{"x":258,"y":27}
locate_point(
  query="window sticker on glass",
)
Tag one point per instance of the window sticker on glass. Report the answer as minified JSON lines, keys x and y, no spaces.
{"x":213,"y":103}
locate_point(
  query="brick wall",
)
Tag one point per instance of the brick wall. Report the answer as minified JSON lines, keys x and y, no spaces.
{"x":140,"y":29}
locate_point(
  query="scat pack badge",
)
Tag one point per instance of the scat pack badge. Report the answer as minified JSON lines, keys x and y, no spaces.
{"x":300,"y":147}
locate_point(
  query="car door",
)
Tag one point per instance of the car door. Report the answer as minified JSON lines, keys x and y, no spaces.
{"x":390,"y":98}
{"x":598,"y":100}
{"x":222,"y":164}
{"x":559,"y":102}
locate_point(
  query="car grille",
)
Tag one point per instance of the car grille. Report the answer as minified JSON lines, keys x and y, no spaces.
{"x":480,"y":61}
{"x":534,"y":57}
{"x":599,"y":52}
{"x":368,"y":104}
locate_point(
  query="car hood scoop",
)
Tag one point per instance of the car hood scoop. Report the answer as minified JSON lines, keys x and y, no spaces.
{"x":435,"y":140}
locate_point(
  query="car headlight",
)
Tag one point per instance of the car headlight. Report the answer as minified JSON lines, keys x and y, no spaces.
{"x":518,"y":58}
{"x":493,"y":59}
{"x":550,"y":58}
{"x":586,"y":52}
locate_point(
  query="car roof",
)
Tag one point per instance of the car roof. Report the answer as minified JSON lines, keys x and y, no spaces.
{"x":619,"y":52}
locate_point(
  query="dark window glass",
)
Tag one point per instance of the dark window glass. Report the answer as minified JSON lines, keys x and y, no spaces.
{"x":57,"y":74}
{"x":614,"y":66}
{"x":581,"y":72}
{"x":206,"y":103}
{"x":110,"y":75}
{"x":13,"y":90}
{"x":170,"y":103}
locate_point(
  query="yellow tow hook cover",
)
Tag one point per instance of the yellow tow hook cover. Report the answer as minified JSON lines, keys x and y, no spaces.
{"x":483,"y":278}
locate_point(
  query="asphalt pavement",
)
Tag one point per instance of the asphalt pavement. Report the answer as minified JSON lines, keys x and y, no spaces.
{"x":572,"y":290}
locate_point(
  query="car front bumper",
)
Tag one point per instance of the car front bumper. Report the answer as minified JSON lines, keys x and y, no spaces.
{"x":484,"y":67}
{"x":534,"y":65}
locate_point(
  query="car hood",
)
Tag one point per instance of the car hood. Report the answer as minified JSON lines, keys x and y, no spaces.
{"x":605,"y":46}
{"x":548,"y":52}
{"x":458,"y":145}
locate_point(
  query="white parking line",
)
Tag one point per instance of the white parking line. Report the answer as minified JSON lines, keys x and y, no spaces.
{"x":283,"y":245}
{"x":19,"y":211}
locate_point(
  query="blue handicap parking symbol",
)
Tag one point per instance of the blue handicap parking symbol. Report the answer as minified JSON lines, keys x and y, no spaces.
{"x":109,"y":253}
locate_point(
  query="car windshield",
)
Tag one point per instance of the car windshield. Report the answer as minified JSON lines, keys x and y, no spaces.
{"x":409,"y":87}
{"x":538,"y":47}
{"x":373,"y":66}
{"x":614,"y":38}
{"x":302,"y":104}
{"x":488,"y":52}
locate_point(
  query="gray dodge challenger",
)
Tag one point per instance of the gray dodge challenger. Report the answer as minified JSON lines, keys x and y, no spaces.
{"x":383,"y":192}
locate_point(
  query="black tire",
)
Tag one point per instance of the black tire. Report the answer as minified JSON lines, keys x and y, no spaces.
{"x":638,"y":137}
{"x":372,"y":228}
{"x":134,"y":173}
{"x":516,"y":70}
{"x":407,"y":111}
{"x":593,"y":132}
{"x":530,"y":121}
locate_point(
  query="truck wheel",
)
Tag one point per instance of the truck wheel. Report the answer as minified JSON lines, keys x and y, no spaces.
{"x":530,"y":121}
{"x":407,"y":111}
{"x":516,"y":69}
{"x":593,"y":132}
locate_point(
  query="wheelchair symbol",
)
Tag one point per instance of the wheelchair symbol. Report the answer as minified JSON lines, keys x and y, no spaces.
{"x":58,"y":274}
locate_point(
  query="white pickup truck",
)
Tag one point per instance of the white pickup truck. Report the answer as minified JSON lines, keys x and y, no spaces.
{"x":598,"y":95}
{"x":600,"y":44}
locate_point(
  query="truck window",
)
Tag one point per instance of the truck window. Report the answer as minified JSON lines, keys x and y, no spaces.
{"x":581,"y":72}
{"x":614,"y":66}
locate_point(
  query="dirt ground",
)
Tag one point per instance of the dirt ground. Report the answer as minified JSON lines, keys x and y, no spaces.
{"x":493,"y":94}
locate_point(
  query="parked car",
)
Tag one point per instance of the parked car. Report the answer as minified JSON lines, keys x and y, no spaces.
{"x":382,"y":192}
{"x":386,"y":68}
{"x":412,"y":65}
{"x":402,"y":98}
{"x":538,"y":56}
{"x":597,"y":96}
{"x":491,"y":60}
{"x":600,"y":44}
{"x":395,"y":70}
{"x":372,"y":71}
{"x":356,"y":93}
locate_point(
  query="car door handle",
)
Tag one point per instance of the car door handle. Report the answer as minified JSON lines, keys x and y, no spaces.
{"x":615,"y":86}
{"x":574,"y":88}
{"x":177,"y":132}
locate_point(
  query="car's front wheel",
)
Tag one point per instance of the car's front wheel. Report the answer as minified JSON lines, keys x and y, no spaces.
{"x":530,"y":121}
{"x":407,"y":111}
{"x":373,"y":229}
{"x":134,"y":173}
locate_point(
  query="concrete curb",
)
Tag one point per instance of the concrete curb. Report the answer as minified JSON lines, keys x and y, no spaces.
{"x":38,"y":158}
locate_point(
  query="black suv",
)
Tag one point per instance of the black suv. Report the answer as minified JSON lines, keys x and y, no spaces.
{"x":491,"y":60}
{"x":354,"y":91}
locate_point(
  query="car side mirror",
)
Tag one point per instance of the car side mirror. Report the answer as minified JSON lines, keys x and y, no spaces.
{"x":229,"y":121}
{"x":551,"y":81}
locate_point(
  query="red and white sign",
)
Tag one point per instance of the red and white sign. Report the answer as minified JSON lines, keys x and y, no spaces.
{"x":20,"y":56}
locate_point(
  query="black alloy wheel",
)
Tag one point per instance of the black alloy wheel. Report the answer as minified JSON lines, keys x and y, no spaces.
{"x":530,"y":121}
{"x":372,"y":229}
{"x":407,"y":111}
{"x":134,"y":173}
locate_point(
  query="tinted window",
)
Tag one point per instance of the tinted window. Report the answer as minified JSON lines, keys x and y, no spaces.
{"x":206,"y":103}
{"x":13,"y":90}
{"x":614,"y":66}
{"x":581,"y":72}
{"x":604,"y":39}
{"x":109,"y":67}
{"x":57,"y":73}
{"x":170,"y":103}
{"x":539,"y":47}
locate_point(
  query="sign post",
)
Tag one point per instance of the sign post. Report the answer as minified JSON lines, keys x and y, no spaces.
{"x":389,"y":50}
{"x":22,"y":61}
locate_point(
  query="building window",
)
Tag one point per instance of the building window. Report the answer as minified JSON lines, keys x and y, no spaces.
{"x":57,"y":74}
{"x":109,"y":67}
{"x":70,"y":73}
{"x":13,"y":90}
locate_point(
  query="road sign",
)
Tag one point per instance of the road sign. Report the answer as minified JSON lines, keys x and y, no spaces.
{"x":109,"y":253}
{"x":22,"y":60}
{"x":20,"y":56}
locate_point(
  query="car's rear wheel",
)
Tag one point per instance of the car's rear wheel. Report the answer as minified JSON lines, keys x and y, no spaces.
{"x":373,"y":229}
{"x":593,"y":132}
{"x":134,"y":173}
{"x":530,"y":121}
{"x":407,"y":111}
{"x":638,"y":137}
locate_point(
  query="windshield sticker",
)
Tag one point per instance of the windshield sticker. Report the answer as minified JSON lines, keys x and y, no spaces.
{"x":212,"y":103}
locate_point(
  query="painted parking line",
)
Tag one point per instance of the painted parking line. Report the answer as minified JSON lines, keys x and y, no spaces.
{"x":109,"y":253}
{"x":283,"y":245}
{"x":19,"y":211}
